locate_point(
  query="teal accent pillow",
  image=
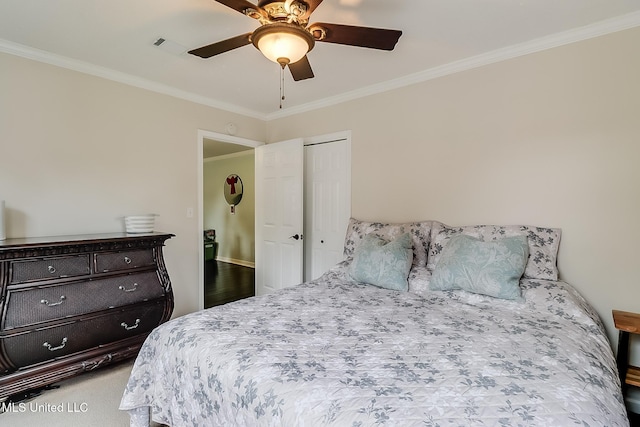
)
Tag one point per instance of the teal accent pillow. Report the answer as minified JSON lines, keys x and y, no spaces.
{"x":381,"y":263}
{"x":491,"y":268}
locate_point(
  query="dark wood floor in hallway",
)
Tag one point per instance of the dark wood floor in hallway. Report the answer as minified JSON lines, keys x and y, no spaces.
{"x":225,"y":282}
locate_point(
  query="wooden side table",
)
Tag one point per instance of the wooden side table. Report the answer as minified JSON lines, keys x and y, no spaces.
{"x":627,"y":323}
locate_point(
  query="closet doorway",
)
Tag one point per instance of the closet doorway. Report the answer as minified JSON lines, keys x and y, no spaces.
{"x":303,"y":206}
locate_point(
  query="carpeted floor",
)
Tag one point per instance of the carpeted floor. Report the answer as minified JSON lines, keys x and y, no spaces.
{"x":90,"y":399}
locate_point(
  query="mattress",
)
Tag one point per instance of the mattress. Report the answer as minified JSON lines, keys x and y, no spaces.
{"x":333,"y":352}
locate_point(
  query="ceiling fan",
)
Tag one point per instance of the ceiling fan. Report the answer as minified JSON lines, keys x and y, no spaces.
{"x":286,"y":37}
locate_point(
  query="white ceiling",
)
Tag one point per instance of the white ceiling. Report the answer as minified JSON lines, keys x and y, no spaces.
{"x":114,"y":39}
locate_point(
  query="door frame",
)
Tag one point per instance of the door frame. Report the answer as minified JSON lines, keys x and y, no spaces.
{"x":221,"y":137}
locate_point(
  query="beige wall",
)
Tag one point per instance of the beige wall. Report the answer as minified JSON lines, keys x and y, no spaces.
{"x":550,"y":139}
{"x":547,"y":139}
{"x":78,"y":152}
{"x":235,"y":234}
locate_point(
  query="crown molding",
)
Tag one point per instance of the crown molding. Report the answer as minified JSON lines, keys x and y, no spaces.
{"x":27,"y":52}
{"x":620,"y":23}
{"x":597,"y":29}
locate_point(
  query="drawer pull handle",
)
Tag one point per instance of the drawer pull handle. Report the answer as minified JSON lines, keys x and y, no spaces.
{"x":61,"y":346}
{"x":135,"y":287}
{"x":51,"y":269}
{"x":127,"y":260}
{"x":128,"y":328}
{"x":53,"y":304}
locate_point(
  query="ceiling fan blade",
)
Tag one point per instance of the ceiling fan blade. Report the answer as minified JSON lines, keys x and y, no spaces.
{"x":221,"y":47}
{"x":244,"y":7}
{"x":374,"y":38}
{"x":301,"y":70}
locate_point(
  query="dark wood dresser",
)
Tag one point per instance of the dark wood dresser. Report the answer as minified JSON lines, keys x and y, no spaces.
{"x":71,"y":304}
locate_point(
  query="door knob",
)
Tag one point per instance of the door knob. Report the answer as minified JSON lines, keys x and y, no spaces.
{"x":296,"y":237}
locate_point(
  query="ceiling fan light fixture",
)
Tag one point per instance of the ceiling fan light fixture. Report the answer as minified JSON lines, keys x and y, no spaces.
{"x":282,"y":42}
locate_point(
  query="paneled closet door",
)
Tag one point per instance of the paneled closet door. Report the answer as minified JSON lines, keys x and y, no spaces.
{"x":327,"y":204}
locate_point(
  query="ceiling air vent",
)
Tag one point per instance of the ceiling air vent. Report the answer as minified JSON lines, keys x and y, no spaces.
{"x":169,"y":46}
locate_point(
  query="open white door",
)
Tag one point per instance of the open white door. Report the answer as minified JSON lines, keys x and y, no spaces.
{"x":279,"y":215}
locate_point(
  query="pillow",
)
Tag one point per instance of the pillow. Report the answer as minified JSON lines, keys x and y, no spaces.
{"x":419,"y":232}
{"x":543,"y":245}
{"x":418,"y":280}
{"x":491,"y":268}
{"x":381,"y":263}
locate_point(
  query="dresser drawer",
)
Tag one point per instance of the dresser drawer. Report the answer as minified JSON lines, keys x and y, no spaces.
{"x":38,"y":304}
{"x":51,"y":343}
{"x":114,"y":261}
{"x":49,"y":268}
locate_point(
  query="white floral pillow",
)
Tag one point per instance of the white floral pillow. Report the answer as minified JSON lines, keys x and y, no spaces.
{"x":419,"y":278}
{"x":543,"y":245}
{"x":419,"y":232}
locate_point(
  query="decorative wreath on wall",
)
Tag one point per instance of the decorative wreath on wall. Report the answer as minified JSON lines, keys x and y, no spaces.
{"x":233,"y":189}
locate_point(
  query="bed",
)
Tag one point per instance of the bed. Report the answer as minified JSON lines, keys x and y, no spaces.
{"x":338,"y":351}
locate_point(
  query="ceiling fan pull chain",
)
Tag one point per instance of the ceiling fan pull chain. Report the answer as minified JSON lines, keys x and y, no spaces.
{"x":281,"y":85}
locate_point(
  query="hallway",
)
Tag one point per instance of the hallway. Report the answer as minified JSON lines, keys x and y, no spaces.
{"x":225,"y":282}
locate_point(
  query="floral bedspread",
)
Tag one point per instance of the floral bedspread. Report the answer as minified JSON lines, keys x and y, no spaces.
{"x":334,"y":352}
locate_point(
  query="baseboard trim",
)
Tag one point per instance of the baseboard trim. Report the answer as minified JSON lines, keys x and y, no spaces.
{"x":237,"y":262}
